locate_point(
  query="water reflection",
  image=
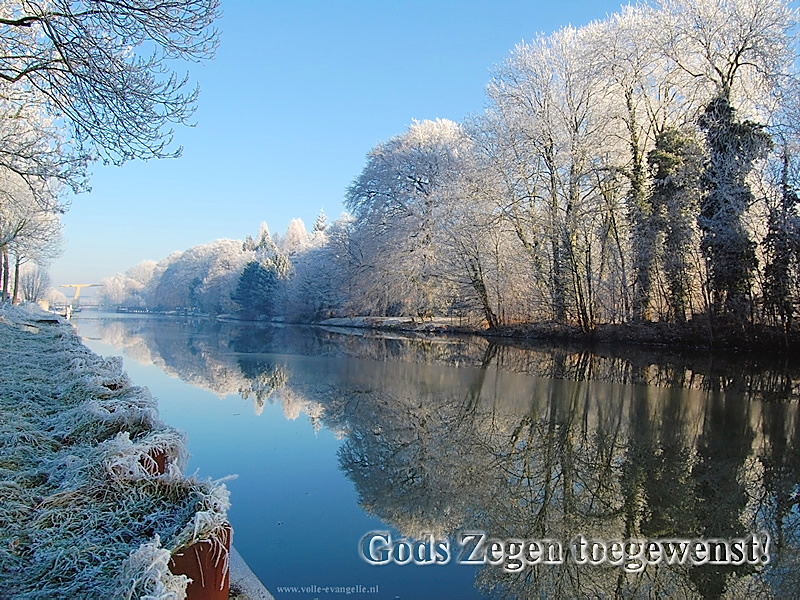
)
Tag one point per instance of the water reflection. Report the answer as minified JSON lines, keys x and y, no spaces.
{"x":531,"y":442}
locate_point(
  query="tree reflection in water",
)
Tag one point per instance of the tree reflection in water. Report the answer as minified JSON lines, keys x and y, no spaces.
{"x":534,"y":459}
{"x":534,"y":442}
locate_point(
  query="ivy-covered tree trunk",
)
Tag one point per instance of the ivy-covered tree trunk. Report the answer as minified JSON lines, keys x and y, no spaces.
{"x":640,"y":217}
{"x":676,"y":162}
{"x":733,"y":148}
{"x":479,"y":285}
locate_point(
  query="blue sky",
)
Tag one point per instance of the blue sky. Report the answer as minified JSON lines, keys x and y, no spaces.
{"x":297,"y":95}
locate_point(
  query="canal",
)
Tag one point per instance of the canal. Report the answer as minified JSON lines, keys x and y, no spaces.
{"x":578,"y":468}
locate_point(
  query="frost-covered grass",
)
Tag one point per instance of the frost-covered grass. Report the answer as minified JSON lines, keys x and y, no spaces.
{"x":81,"y":514}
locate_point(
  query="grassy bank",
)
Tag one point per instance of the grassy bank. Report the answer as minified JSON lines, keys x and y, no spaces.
{"x":85,"y":513}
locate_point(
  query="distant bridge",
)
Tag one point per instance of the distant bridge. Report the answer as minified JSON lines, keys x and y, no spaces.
{"x":78,"y":287}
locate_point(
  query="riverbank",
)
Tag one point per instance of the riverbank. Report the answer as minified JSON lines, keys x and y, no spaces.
{"x":95,"y":501}
{"x":695,"y":334}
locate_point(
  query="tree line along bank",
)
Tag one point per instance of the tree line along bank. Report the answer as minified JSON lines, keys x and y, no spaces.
{"x":641,"y":169}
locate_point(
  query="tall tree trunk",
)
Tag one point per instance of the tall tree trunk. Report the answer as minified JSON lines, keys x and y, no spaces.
{"x":5,"y":273}
{"x":479,"y":285}
{"x":607,"y":193}
{"x":558,"y":281}
{"x":572,"y":254}
{"x":14,"y":298}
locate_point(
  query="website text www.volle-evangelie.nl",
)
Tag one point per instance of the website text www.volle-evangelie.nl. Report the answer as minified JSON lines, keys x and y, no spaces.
{"x":345,"y":590}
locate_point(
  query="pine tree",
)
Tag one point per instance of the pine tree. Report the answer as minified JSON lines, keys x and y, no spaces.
{"x":256,"y":292}
{"x":322,"y":221}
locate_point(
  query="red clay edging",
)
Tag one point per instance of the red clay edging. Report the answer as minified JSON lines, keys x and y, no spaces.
{"x":206,"y":563}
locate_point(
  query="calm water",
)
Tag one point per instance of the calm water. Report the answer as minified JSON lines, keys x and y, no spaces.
{"x":333,"y":435}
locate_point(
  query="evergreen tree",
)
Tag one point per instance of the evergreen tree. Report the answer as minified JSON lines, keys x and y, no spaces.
{"x":257,"y":290}
{"x":322,"y":221}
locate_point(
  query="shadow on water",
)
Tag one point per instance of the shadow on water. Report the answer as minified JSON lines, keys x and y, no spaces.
{"x":530,"y":442}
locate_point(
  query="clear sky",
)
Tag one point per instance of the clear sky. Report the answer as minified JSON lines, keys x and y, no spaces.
{"x":297,"y":95}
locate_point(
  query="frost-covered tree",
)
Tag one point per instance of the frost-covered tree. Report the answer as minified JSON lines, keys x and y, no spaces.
{"x":38,"y":239}
{"x":80,"y":80}
{"x":324,"y":276}
{"x":55,"y":297}
{"x":33,"y":283}
{"x":396,"y":232}
{"x":35,"y":153}
{"x":267,"y":252}
{"x":295,"y":239}
{"x":104,"y":67}
{"x":36,"y":168}
{"x":202,"y":277}
{"x":478,"y":250}
{"x":737,"y":50}
{"x":29,"y":225}
{"x":550,"y":114}
{"x":738,"y":53}
{"x":319,"y":233}
{"x":521,"y":141}
{"x":734,"y":146}
{"x":128,"y":289}
{"x":572,"y":119}
{"x":259,"y":291}
{"x":321,"y":222}
{"x":116,"y":291}
{"x":644,"y":99}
